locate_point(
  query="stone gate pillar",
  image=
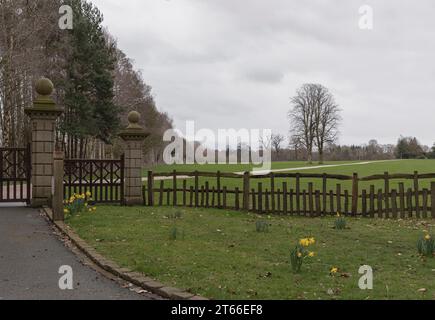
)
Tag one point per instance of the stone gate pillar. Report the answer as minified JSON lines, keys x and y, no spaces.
{"x":133,"y":135}
{"x":43,"y":117}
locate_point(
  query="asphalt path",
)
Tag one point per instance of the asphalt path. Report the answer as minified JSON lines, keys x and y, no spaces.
{"x":31,"y":254}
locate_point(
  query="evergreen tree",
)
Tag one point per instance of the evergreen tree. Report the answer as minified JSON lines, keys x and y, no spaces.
{"x":88,"y":85}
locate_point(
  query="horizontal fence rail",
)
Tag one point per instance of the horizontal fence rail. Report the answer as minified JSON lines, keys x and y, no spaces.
{"x":104,"y":179}
{"x":300,"y":194}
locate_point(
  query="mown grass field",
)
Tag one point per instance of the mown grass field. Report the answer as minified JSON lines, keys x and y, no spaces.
{"x":219,"y":254}
{"x":237,"y":167}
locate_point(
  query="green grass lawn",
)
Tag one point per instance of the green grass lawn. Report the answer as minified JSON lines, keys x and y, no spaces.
{"x":219,"y":254}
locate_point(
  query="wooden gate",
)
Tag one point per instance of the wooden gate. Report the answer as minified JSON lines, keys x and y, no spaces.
{"x":104,"y":179}
{"x":15,"y":174}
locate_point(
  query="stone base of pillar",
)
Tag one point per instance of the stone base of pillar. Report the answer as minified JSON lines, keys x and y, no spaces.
{"x":40,"y":202}
{"x":133,"y":201}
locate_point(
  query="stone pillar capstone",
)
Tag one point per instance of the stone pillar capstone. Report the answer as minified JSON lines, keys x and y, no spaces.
{"x":43,"y":115}
{"x":133,"y":136}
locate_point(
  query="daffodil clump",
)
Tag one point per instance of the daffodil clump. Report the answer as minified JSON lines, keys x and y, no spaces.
{"x":340,"y":222}
{"x":333,"y":271}
{"x":78,"y":203}
{"x":426,"y":245}
{"x":301,"y":252}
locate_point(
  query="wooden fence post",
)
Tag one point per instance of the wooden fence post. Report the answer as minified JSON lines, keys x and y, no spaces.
{"x":416,"y":195}
{"x":298,"y":194}
{"x":324,"y":194}
{"x":272,"y":191}
{"x":58,"y":169}
{"x":218,"y":189}
{"x":364,"y":203}
{"x":150,"y":186}
{"x":196,"y":189}
{"x":246,"y":187}
{"x":432,"y":193}
{"x":260,"y":197}
{"x":402,"y":200}
{"x":355,"y":194}
{"x":174,"y":188}
{"x":284,"y":198}
{"x":387,"y":194}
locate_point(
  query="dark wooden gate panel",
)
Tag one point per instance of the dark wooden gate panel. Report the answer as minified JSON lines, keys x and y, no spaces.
{"x":103,"y":178}
{"x":15,"y":174}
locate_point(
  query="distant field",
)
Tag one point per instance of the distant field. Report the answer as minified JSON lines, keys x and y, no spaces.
{"x":237,"y":167}
{"x":394,"y":166}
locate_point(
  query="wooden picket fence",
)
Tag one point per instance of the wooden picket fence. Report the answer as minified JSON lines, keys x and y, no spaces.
{"x":280,"y":198}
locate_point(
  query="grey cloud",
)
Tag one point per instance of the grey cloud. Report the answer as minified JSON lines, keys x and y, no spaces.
{"x":264,"y":75}
{"x":236,"y":64}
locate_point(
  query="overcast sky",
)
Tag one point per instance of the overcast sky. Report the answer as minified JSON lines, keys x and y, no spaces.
{"x":236,"y":63}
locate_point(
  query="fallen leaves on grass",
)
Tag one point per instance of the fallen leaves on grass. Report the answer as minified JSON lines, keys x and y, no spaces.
{"x":345,"y":275}
{"x":266,"y":275}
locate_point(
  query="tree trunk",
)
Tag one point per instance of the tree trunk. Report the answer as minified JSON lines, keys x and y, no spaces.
{"x":320,"y":156}
{"x":309,"y":156}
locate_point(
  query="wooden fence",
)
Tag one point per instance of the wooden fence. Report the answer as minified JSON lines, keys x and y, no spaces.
{"x":103,"y":178}
{"x":285,"y":193}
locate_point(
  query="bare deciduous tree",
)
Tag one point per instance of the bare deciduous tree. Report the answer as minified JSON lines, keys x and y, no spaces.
{"x":314,"y":118}
{"x":302,"y":118}
{"x":276,"y":141}
{"x":327,"y":118}
{"x":295,"y":143}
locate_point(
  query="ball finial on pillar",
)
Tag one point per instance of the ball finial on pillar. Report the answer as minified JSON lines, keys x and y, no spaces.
{"x":133,"y":120}
{"x":133,"y":117}
{"x":44,"y":87}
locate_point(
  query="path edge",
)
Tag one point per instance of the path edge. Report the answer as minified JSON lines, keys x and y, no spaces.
{"x":110,"y":266}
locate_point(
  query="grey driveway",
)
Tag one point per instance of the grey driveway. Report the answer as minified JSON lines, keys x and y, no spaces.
{"x":30,"y":257}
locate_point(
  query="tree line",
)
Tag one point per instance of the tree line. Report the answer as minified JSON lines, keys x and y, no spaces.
{"x":95,"y":81}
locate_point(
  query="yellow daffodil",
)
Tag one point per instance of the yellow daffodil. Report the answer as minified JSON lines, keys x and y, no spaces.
{"x":427,"y":237}
{"x":334,"y":270}
{"x":311,"y":254}
{"x":66,"y":211}
{"x":88,"y":194}
{"x":94,"y":209}
{"x":299,"y":254}
{"x":304,"y":242}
